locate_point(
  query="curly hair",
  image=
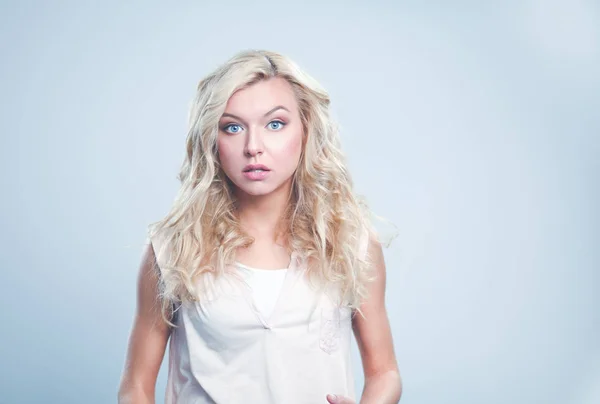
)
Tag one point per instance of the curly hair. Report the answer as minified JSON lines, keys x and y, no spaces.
{"x":324,"y":222}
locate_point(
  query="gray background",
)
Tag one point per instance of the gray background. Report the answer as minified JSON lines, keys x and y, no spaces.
{"x":472,"y":125}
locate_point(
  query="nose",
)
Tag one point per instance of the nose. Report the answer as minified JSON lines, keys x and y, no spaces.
{"x":254,"y":144}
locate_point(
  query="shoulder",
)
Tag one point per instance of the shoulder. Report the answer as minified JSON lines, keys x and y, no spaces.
{"x":368,"y":243}
{"x":159,"y":239}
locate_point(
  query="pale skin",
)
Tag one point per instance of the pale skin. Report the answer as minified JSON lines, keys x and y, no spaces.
{"x":261,"y":124}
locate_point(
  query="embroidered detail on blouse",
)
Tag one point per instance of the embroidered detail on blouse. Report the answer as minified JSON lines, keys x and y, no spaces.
{"x":330,"y":330}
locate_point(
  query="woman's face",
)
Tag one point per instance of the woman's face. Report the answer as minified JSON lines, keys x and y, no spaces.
{"x":260,"y":138}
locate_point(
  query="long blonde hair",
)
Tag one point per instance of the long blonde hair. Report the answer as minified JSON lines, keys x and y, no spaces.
{"x":324,"y":220}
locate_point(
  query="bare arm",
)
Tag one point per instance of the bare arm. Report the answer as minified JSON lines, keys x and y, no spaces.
{"x":148,"y":338}
{"x":383,"y":383}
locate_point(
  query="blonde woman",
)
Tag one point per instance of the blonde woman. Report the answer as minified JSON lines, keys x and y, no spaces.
{"x":266,"y":262}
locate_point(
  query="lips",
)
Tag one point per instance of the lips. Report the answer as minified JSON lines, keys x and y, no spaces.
{"x":256,"y":167}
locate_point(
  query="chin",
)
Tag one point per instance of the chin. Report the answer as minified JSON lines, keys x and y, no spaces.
{"x":257,"y":189}
{"x":253,"y":192}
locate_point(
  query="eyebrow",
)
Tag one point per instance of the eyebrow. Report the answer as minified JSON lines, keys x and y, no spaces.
{"x":267,"y":114}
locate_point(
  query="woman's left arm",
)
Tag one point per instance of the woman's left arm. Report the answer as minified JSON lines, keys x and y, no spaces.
{"x":383,"y":384}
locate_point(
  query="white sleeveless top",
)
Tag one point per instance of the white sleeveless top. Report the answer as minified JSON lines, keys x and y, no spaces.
{"x":227,"y":350}
{"x":265,"y":285}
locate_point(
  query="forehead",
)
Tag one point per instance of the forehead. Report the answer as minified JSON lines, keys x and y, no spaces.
{"x":262,"y":96}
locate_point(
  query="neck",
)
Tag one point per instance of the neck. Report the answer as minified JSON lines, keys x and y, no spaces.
{"x":261,"y":216}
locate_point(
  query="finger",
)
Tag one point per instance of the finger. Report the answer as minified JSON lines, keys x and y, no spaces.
{"x":333,"y":399}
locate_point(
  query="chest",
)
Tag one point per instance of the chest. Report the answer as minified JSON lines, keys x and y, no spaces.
{"x":230,"y":317}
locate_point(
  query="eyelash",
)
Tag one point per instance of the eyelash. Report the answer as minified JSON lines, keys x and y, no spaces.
{"x":235,"y":124}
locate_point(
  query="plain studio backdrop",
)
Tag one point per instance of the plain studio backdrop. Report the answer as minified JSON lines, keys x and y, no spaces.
{"x":472,"y":126}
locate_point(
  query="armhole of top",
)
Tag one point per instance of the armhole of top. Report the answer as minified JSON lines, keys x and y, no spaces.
{"x":364,"y":243}
{"x":152,"y":242}
{"x":161,"y":256}
{"x":157,"y":241}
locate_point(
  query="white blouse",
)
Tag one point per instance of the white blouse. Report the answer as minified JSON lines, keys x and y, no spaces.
{"x":265,"y":285}
{"x":270,"y":339}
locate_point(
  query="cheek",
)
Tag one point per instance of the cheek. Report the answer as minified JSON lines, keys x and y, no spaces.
{"x":226,"y":153}
{"x":291,"y":149}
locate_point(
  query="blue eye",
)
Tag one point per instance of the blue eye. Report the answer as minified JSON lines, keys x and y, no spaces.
{"x":279,"y":125}
{"x":229,"y":129}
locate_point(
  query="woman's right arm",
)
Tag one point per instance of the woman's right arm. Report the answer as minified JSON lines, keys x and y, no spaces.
{"x":148,"y":338}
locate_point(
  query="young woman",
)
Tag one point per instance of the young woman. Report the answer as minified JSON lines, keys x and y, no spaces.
{"x":267,"y":260}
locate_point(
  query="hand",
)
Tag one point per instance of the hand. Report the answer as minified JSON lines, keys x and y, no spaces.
{"x":333,"y":399}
